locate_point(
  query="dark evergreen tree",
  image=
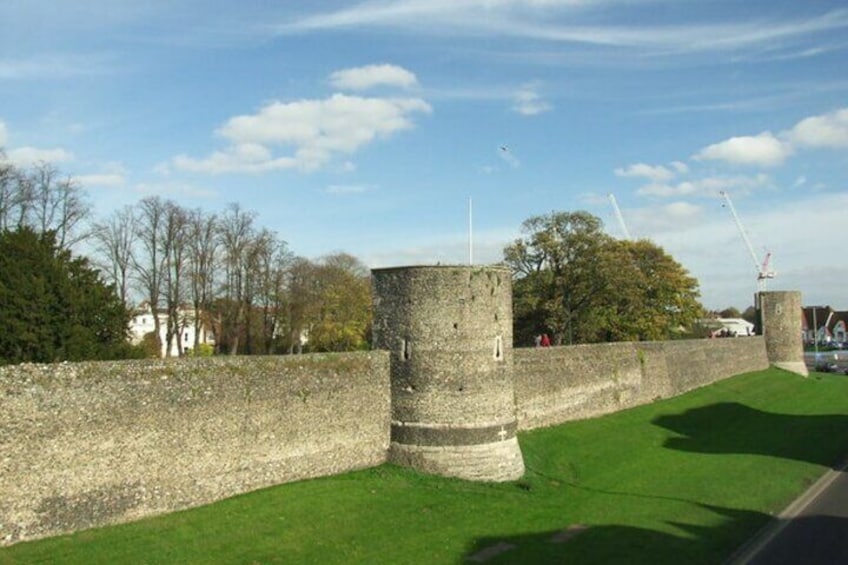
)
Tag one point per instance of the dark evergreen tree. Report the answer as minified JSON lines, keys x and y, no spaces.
{"x":53,"y":306}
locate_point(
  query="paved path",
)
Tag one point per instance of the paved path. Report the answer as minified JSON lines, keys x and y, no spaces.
{"x":812,"y":530}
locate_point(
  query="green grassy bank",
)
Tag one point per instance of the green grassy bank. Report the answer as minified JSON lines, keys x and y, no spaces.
{"x":685,"y":480}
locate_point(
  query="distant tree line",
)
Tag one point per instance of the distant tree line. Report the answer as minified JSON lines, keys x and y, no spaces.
{"x":255,"y":294}
{"x":571,"y":280}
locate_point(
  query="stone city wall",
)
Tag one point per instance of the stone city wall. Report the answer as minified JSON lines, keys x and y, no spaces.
{"x":88,"y":444}
{"x":559,"y":384}
{"x":92,"y":444}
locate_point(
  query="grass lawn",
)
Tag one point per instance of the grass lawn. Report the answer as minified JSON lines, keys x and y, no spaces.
{"x":685,"y":480}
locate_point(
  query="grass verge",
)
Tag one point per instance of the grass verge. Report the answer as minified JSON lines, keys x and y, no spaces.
{"x":686,"y":480}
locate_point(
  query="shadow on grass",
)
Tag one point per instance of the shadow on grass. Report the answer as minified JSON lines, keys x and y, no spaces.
{"x":730,"y":427}
{"x":623,"y":544}
{"x":693,"y":544}
{"x":720,"y":428}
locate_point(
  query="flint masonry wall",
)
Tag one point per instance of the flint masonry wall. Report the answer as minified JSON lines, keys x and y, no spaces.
{"x":559,"y":384}
{"x":89,"y":444}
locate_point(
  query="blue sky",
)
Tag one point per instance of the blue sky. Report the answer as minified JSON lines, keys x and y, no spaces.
{"x":366,"y":127}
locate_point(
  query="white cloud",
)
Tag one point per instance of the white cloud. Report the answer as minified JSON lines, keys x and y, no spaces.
{"x":242,"y":158}
{"x":664,"y":190}
{"x":763,"y":150}
{"x":680,"y":167}
{"x":708,"y":186}
{"x":105,"y":180}
{"x":828,"y":130}
{"x":528,"y":102}
{"x":681,"y":210}
{"x":370,"y":76}
{"x":316,"y":131}
{"x":341,"y":189}
{"x":657,"y":174}
{"x":28,"y":156}
{"x":171,"y":189}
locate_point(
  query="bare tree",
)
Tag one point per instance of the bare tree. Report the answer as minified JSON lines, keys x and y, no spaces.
{"x":268,"y":259}
{"x":237,"y":232}
{"x":173,"y":243}
{"x":114,"y":239}
{"x":150,"y":263}
{"x":50,"y":203}
{"x":8,"y":191}
{"x":203,"y":246}
{"x":22,"y":200}
{"x":302,"y":303}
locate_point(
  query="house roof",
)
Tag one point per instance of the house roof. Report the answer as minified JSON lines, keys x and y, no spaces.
{"x":819,"y":314}
{"x":823,"y":315}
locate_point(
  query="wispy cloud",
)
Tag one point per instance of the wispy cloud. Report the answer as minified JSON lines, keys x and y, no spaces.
{"x":705,"y":186}
{"x":28,"y":156}
{"x":529,"y":102}
{"x":171,"y":189}
{"x":655,"y":173}
{"x":55,"y":66}
{"x":111,"y":175}
{"x":102,"y":180}
{"x":552,"y":22}
{"x":344,"y":189}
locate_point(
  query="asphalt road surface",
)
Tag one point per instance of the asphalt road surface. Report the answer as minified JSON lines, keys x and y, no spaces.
{"x":813,"y":530}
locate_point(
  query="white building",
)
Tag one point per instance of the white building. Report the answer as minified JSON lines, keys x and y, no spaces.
{"x":734,"y":327}
{"x":143,"y":323}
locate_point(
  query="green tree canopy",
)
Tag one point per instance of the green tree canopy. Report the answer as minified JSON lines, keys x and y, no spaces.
{"x":343,"y":305}
{"x":574,"y":281}
{"x":53,"y":306}
{"x":730,"y":312}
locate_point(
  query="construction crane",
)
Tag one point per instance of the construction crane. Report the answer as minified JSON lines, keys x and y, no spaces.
{"x":619,"y":216}
{"x":763,"y":272}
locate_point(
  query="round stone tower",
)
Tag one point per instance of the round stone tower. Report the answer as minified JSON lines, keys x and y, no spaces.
{"x":449,"y":331}
{"x":779,"y":313}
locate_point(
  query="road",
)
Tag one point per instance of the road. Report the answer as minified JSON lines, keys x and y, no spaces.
{"x":839,"y":358}
{"x":812,"y":530}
